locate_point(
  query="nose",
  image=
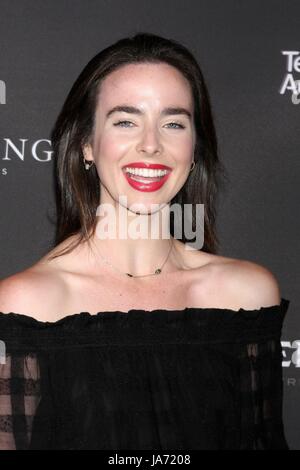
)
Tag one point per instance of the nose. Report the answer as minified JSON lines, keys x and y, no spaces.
{"x":149,"y":141}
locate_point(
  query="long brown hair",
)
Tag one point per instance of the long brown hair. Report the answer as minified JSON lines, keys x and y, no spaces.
{"x":78,"y":190}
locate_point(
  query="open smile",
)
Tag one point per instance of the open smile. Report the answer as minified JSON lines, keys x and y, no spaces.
{"x":144,"y":179}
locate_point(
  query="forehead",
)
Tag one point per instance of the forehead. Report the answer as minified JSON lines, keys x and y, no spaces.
{"x":151,"y":83}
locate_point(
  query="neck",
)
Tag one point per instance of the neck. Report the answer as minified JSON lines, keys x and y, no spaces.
{"x":134,"y":243}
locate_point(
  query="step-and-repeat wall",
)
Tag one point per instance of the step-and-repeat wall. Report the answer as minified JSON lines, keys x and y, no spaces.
{"x":249,"y":52}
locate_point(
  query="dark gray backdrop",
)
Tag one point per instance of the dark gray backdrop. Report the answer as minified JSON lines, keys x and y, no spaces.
{"x":45,"y":44}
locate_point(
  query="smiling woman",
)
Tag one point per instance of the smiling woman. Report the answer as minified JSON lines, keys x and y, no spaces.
{"x":139,"y":341}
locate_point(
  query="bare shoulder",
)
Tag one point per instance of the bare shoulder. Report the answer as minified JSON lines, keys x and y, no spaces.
{"x":250,"y":285}
{"x":232,"y":283}
{"x":27,"y":291}
{"x":39,"y":290}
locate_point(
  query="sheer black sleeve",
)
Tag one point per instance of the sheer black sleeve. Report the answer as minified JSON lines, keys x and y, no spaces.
{"x":261,"y":395}
{"x":19,"y":399}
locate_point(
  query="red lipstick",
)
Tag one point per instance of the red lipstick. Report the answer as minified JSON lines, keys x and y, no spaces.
{"x":146,"y":184}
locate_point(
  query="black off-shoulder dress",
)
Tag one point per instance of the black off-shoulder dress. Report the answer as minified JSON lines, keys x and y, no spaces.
{"x":198,"y":378}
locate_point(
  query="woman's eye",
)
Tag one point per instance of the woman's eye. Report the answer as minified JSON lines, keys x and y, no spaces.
{"x":174,"y":125}
{"x":180,"y":126}
{"x":120,"y":123}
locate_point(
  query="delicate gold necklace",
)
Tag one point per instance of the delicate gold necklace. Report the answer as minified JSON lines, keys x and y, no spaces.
{"x":157,"y":271}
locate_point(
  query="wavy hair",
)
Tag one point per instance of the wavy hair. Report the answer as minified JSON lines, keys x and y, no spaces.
{"x":78,"y":190}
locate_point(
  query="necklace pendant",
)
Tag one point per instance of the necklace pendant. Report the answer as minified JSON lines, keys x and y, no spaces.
{"x":158,"y":271}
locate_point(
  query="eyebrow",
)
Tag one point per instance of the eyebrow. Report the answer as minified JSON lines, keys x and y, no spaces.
{"x":133,"y":110}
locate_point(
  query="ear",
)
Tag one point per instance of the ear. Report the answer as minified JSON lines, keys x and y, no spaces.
{"x":87,"y":152}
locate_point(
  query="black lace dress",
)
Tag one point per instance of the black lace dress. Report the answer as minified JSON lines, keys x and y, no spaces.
{"x":198,"y":378}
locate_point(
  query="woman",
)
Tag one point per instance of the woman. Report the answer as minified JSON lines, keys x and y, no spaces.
{"x":115,"y":341}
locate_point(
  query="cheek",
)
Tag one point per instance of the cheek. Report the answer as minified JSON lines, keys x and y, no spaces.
{"x":111,"y":148}
{"x":184,"y":149}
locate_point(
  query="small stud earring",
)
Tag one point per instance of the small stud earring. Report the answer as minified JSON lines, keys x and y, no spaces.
{"x":87,"y":164}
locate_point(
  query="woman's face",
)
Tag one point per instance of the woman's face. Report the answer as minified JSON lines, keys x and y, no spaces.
{"x":148,"y":134}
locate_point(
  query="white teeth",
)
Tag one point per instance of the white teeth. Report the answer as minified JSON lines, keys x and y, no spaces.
{"x":146,"y":172}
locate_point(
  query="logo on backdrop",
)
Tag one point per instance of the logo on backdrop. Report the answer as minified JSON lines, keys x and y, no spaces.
{"x":291,"y":353}
{"x":21,"y":149}
{"x":2,"y":352}
{"x":291,"y":80}
{"x":291,"y":362}
{"x":2,"y":92}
